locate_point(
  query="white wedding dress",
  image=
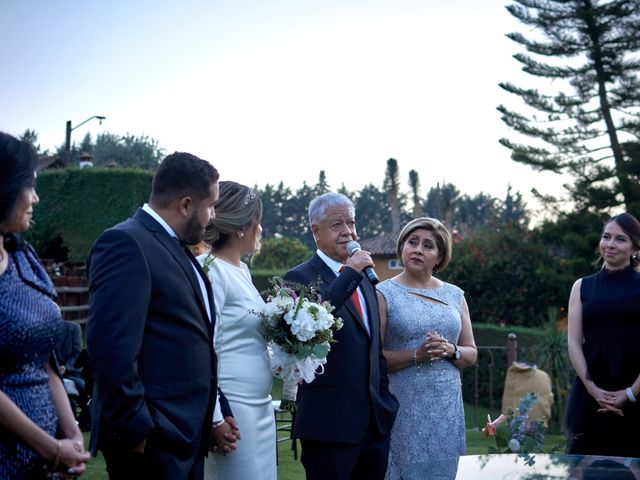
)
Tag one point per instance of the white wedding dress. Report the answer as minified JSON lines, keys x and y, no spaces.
{"x":243,"y":375}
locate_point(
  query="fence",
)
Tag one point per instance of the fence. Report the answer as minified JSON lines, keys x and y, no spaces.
{"x":483,"y":384}
{"x":71,"y":284}
{"x":484,"y":381}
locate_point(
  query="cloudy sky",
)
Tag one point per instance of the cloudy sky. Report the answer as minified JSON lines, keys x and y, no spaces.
{"x":275,"y":90}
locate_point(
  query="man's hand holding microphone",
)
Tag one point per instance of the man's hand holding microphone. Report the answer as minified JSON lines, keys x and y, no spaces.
{"x":361,"y":261}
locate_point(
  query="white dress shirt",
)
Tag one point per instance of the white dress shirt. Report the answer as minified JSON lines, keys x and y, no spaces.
{"x":335,"y":268}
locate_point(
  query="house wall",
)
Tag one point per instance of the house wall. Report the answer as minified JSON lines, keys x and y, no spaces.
{"x":386,"y":267}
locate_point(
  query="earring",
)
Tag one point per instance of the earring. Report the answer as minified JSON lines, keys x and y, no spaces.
{"x":240,"y":234}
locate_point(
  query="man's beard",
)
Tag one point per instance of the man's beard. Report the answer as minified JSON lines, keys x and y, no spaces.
{"x":193,"y":232}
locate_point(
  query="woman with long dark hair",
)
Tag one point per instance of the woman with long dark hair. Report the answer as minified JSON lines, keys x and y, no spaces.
{"x":603,"y":413}
{"x":38,"y":432}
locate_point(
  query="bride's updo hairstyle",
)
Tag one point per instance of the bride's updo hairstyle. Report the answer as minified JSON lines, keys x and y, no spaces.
{"x":237,"y":210}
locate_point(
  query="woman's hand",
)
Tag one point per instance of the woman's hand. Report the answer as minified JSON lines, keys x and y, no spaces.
{"x":72,"y":452}
{"x":224,"y":436}
{"x":436,"y":347}
{"x":74,"y":434}
{"x":614,"y":401}
{"x":608,"y":401}
{"x":72,"y":458}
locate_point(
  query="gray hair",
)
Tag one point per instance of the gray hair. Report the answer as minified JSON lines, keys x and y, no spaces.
{"x":319,"y":206}
{"x":235,"y":210}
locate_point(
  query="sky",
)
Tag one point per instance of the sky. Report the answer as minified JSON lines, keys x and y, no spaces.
{"x":277,"y":90}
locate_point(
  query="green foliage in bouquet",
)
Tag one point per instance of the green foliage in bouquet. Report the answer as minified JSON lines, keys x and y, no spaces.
{"x":521,"y":435}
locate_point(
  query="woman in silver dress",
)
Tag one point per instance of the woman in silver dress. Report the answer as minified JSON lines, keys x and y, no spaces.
{"x":427,"y":335}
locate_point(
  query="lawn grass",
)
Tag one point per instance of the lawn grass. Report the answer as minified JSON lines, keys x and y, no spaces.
{"x":291,"y":469}
{"x":288,"y":468}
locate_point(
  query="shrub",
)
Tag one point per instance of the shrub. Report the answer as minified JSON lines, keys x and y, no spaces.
{"x":261,"y":279}
{"x":281,"y":253}
{"x":509,"y":276}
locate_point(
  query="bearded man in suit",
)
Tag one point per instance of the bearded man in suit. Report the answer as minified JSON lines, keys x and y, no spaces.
{"x":344,"y":417}
{"x":150,"y":333}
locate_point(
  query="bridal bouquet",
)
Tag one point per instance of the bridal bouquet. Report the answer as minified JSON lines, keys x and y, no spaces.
{"x":298,"y":327}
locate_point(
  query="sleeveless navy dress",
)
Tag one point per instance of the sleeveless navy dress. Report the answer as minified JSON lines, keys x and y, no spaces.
{"x":611,"y":327}
{"x":29,"y":320}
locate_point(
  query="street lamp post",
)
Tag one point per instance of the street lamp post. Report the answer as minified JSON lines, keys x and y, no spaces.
{"x":67,"y":137}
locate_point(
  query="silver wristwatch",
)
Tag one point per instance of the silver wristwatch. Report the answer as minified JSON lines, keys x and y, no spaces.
{"x":456,"y":352}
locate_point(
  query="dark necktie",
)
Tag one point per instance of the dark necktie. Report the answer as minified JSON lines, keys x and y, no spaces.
{"x":187,"y":251}
{"x":193,"y":259}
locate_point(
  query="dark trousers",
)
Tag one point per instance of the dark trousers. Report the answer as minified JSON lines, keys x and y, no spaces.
{"x":123,"y":464}
{"x":366,"y":460}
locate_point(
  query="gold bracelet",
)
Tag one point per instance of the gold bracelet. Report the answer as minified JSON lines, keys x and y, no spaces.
{"x":56,"y":457}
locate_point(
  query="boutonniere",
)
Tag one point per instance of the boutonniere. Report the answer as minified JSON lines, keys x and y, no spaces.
{"x":207,"y":261}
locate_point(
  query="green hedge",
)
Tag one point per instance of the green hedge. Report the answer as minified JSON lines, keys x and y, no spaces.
{"x":261,"y":278}
{"x":77,"y":205}
{"x":488,"y":334}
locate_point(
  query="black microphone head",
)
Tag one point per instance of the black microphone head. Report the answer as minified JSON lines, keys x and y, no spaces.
{"x":371,"y":275}
{"x":353,"y":247}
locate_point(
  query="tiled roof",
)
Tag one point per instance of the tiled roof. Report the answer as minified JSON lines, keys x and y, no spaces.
{"x":382,"y":245}
{"x":49,"y":161}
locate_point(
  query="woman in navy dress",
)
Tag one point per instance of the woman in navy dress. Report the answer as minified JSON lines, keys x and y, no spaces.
{"x":34,"y":407}
{"x":603,"y":415}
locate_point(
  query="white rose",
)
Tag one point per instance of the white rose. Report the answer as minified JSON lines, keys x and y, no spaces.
{"x":284,"y":302}
{"x":272,"y":309}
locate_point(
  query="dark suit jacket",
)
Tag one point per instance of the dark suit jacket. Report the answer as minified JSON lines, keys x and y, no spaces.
{"x":150,"y":344}
{"x":338,"y":404}
{"x":69,"y":346}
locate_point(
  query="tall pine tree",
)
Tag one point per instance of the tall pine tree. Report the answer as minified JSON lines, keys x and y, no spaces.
{"x":414,"y":184}
{"x":394,"y":197}
{"x":591,"y":120}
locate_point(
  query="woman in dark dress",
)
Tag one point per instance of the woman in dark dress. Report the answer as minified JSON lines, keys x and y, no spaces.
{"x":603,"y":415}
{"x":34,"y":408}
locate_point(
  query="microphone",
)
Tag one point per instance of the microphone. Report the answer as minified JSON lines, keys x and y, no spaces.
{"x":353,"y":247}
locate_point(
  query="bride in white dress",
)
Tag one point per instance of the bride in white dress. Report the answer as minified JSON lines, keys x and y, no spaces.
{"x":243,"y":367}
